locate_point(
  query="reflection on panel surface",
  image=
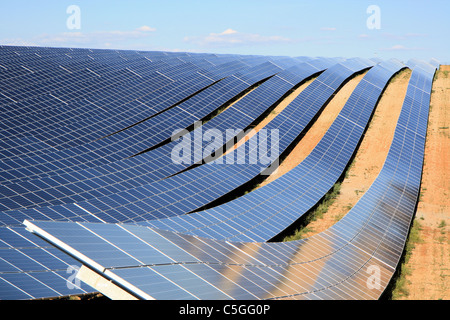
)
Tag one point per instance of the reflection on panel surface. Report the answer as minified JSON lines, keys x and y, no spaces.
{"x":354,"y":259}
{"x":71,"y":119}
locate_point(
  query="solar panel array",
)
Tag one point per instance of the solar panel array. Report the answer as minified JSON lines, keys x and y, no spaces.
{"x":265,"y":212}
{"x":163,"y":198}
{"x":24,"y":265}
{"x":145,"y":163}
{"x":120,"y":145}
{"x":80,"y":167}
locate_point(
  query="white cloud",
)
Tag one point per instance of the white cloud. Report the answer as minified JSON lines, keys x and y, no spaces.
{"x":399,"y":47}
{"x":228,"y":31}
{"x":146,"y":29}
{"x":328,"y":29}
{"x":96,"y":39}
{"x":404,"y":36}
{"x":233,"y":38}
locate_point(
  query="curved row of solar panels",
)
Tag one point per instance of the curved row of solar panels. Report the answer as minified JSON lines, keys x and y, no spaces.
{"x":87,"y":142}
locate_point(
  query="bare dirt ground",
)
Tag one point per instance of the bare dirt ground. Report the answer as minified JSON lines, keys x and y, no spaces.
{"x":317,"y":130}
{"x":429,"y":265}
{"x":277,"y":109}
{"x":370,"y":156}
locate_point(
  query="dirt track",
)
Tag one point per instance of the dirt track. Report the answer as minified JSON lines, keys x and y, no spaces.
{"x":317,"y":130}
{"x":371,"y":154}
{"x":430,"y":260}
{"x":429,"y":264}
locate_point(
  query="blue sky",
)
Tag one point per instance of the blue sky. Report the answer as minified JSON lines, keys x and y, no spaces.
{"x":407,"y":29}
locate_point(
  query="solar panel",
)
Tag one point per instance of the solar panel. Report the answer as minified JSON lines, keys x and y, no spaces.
{"x":31,"y":268}
{"x":109,"y":204}
{"x":6,"y":218}
{"x":280,"y":203}
{"x":223,"y":121}
{"x":17,"y":282}
{"x":331,"y":265}
{"x":111,"y":148}
{"x":105,"y":98}
{"x":62,"y":95}
{"x":78,"y":213}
